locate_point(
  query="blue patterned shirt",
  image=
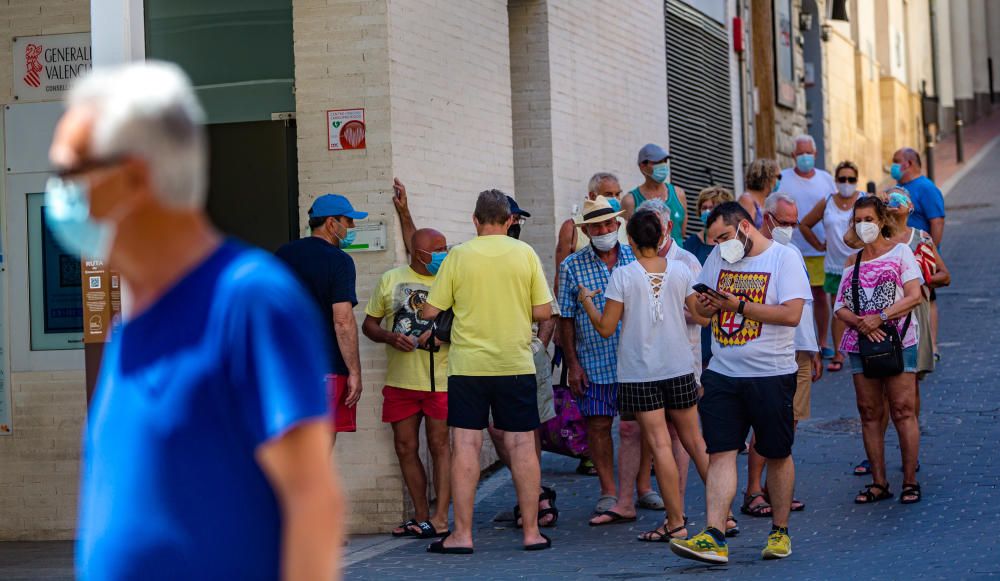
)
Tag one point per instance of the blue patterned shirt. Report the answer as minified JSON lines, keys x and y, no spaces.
{"x":598,"y":356}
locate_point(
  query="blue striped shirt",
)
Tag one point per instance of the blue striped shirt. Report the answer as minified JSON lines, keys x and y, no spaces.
{"x":598,"y":356}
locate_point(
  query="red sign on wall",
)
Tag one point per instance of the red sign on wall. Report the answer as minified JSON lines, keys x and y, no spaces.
{"x":345,"y":129}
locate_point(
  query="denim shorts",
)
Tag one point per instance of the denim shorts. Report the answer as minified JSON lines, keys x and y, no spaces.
{"x":909,"y":361}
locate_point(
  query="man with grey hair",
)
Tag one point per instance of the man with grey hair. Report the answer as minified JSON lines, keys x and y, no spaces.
{"x":206,"y":452}
{"x":571,"y":238}
{"x":808,"y":185}
{"x":495,"y":286}
{"x":780,"y":220}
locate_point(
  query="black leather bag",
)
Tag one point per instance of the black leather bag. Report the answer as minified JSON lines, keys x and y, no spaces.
{"x":883,"y":358}
{"x":442,"y":325}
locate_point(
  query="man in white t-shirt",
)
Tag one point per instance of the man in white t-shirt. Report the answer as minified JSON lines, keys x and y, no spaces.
{"x":779,"y":220}
{"x":756,"y":293}
{"x":807,"y":186}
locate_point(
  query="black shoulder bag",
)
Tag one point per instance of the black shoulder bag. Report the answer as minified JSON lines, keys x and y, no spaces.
{"x":883,"y":358}
{"x":440,"y":331}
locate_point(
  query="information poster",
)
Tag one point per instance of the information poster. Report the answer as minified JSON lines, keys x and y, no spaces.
{"x":345,"y":129}
{"x":102,"y":298}
{"x":61,"y":284}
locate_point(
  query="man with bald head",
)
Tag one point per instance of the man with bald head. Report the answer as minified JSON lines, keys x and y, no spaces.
{"x":928,"y":203}
{"x":414,"y":390}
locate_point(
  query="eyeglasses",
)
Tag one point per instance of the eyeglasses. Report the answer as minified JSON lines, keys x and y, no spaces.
{"x":89,"y":166}
{"x":847,"y":180}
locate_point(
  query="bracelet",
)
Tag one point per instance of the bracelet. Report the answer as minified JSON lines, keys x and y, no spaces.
{"x":743,"y":304}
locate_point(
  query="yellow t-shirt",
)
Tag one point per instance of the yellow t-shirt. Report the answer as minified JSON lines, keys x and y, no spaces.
{"x":400,"y":292}
{"x":491,"y":282}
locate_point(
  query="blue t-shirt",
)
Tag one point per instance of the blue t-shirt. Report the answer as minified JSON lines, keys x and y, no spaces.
{"x":328,"y":273}
{"x":928,"y":203}
{"x":229,"y":358}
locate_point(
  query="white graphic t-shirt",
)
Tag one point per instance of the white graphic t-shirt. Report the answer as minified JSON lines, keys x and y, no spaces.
{"x":807,"y":193}
{"x":742,"y":347}
{"x":653,"y":344}
{"x":805,"y":333}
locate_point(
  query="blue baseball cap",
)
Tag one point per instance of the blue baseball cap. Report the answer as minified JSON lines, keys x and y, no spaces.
{"x":515,"y":209}
{"x":334,"y":205}
{"x":652,"y":152}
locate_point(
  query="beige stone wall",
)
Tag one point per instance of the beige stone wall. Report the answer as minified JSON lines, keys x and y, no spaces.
{"x":39,"y":462}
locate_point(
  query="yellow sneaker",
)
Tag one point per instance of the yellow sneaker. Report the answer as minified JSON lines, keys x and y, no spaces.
{"x":701,"y":547}
{"x":779,"y":546}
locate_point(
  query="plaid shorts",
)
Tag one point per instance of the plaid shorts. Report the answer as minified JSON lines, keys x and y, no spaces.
{"x":676,"y":393}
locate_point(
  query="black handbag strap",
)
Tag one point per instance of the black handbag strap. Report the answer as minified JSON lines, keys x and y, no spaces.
{"x":855,"y":292}
{"x":431,"y":342}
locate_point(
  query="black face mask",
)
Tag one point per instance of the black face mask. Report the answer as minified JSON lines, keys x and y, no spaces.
{"x":514,"y":231}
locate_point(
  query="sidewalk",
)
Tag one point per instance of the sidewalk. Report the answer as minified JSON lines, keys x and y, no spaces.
{"x":975,"y":138}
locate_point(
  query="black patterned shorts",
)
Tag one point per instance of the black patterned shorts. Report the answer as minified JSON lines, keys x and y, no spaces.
{"x":676,"y":393}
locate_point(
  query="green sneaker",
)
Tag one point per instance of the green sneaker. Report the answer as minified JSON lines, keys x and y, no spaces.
{"x":779,"y":546}
{"x":701,"y":547}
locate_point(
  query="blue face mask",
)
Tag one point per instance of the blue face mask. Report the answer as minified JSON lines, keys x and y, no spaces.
{"x":435,"y":264}
{"x":704,"y":216}
{"x":805,"y":162}
{"x":67,"y":213}
{"x":896,"y":172}
{"x":615,"y":204}
{"x":777,"y":186}
{"x":348,"y":239}
{"x":661,"y":172}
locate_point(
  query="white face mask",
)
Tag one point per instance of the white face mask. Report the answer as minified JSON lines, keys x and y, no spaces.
{"x":867,"y":231}
{"x":782,"y":235}
{"x":846,"y":190}
{"x":605,"y":242}
{"x":732,"y":250}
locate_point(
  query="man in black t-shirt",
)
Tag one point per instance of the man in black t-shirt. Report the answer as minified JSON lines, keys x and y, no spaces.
{"x":328,"y":273}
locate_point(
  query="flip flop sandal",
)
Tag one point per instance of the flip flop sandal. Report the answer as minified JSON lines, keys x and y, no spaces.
{"x":615,"y":519}
{"x":828,"y":353}
{"x":866,"y":496}
{"x":407,"y":531}
{"x":650,"y":501}
{"x":439,"y":548}
{"x":540,"y":546}
{"x":835,"y":366}
{"x":733,"y":530}
{"x":586,"y":468}
{"x":757,"y":510}
{"x":798,"y":505}
{"x":910,"y":494}
{"x":427,"y":531}
{"x":864,"y":468}
{"x":605,"y":503}
{"x":655,"y":536}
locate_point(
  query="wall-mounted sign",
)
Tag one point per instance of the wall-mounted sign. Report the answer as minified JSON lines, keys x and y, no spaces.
{"x":369,"y":237}
{"x":784,"y":54}
{"x":102,"y":300}
{"x":46,"y":66}
{"x":345,"y":129}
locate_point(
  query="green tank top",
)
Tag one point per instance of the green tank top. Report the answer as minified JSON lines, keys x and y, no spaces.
{"x":676,"y":207}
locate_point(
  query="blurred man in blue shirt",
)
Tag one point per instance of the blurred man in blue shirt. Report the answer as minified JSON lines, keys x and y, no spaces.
{"x":206,"y":453}
{"x":928,"y":203}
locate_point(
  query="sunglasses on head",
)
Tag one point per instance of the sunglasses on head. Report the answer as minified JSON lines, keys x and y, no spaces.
{"x":847,"y":180}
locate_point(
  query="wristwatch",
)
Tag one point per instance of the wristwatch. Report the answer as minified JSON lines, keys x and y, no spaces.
{"x":739,"y":309}
{"x":883,"y":316}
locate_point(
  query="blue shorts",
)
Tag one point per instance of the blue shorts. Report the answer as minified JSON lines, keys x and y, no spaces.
{"x":909,"y":361}
{"x":599,"y":399}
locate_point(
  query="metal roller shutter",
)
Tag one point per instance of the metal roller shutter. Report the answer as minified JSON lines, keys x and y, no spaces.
{"x":699,"y":103}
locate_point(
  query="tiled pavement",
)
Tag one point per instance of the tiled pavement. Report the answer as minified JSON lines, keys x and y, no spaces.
{"x":948,"y":535}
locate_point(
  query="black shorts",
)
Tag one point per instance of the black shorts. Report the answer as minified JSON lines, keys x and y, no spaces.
{"x":676,"y":393}
{"x":731,"y":406}
{"x":933,"y":296}
{"x":513,"y":400}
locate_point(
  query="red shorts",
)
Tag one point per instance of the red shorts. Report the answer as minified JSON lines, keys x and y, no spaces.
{"x":401,"y":403}
{"x":344,"y":419}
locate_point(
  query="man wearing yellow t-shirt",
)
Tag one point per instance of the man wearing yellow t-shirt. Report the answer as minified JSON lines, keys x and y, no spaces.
{"x":496,"y":288}
{"x":411,"y":394}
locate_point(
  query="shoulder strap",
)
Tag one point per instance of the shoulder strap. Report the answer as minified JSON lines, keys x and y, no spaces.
{"x":855,"y":284}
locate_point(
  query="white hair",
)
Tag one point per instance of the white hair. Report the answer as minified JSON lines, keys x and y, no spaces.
{"x":806,"y":138}
{"x":659,"y":207}
{"x":149,"y":110}
{"x":771,"y":202}
{"x":597,"y":178}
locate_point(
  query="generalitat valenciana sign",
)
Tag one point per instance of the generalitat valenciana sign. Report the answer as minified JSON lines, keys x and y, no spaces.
{"x":46,"y":66}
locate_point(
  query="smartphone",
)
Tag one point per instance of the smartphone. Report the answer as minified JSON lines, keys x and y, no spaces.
{"x":706,"y":290}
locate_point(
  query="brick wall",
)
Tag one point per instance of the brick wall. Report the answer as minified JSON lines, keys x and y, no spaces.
{"x":39,"y":462}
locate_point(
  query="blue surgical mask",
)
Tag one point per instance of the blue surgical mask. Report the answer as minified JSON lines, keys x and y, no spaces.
{"x":615,"y":204}
{"x":898,"y":200}
{"x":67,"y":213}
{"x":435,"y":264}
{"x":896,"y":172}
{"x":661,"y":172}
{"x":777,"y":186}
{"x":805,"y":162}
{"x":348,"y":239}
{"x":704,"y":216}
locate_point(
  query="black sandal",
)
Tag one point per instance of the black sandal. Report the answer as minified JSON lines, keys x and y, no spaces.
{"x":428,"y":531}
{"x":911,"y":492}
{"x":407,"y":531}
{"x":757,"y":510}
{"x":655,"y":536}
{"x":548,"y":494}
{"x":866,"y":496}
